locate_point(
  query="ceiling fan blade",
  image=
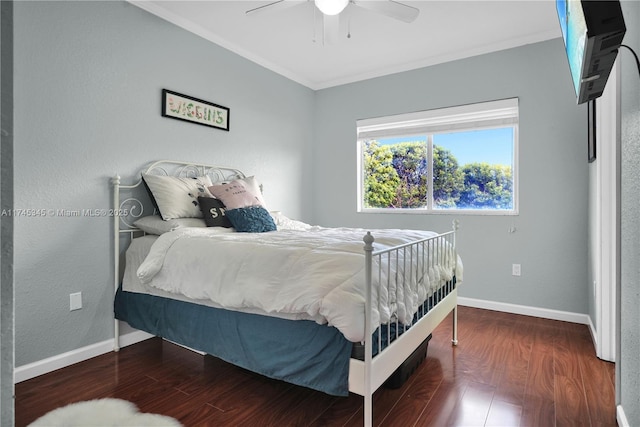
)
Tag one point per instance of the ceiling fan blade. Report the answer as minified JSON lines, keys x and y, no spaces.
{"x":331,"y":29}
{"x":390,"y":8}
{"x":274,"y":6}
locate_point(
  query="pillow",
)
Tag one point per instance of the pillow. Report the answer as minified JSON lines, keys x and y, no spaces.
{"x":177,"y":197}
{"x":214,"y":212}
{"x":285,"y":223}
{"x":240,"y":193}
{"x":254,"y":219}
{"x":153,"y":224}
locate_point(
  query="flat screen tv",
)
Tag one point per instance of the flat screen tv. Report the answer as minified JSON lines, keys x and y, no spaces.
{"x":592,"y":33}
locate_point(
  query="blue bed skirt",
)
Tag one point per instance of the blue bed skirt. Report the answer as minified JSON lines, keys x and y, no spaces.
{"x":299,"y":352}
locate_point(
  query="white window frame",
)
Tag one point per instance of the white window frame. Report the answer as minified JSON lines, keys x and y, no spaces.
{"x":485,"y":115}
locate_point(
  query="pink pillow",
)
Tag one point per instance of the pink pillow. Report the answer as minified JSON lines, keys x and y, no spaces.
{"x":241,"y":193}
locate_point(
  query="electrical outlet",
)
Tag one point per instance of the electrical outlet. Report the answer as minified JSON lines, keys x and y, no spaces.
{"x":75,"y":301}
{"x":515,"y":269}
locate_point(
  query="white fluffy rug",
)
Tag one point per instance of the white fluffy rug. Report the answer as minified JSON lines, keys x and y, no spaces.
{"x":103,"y":413}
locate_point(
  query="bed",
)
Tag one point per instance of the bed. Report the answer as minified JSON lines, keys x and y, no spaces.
{"x":200,"y":260}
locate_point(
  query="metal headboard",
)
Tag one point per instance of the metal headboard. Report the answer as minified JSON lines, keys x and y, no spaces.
{"x":135,"y":201}
{"x":131,"y":202}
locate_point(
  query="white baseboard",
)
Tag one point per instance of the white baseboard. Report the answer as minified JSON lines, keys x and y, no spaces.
{"x":621,"y":417}
{"x":594,"y":336}
{"x":32,"y":370}
{"x":544,"y":313}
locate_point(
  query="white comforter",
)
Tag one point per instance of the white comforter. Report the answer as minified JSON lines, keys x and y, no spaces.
{"x":315,"y":274}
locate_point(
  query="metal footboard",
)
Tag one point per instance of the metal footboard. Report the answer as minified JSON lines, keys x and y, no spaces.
{"x":426,"y":268}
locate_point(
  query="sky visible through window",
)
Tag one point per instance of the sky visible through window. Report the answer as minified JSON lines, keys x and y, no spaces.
{"x":493,"y":146}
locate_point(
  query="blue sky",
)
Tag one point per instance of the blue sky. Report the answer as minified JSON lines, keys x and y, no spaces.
{"x":494,"y":146}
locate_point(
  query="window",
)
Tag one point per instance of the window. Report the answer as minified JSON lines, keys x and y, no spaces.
{"x":457,"y":159}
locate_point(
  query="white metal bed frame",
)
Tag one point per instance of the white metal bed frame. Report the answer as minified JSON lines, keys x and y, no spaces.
{"x":365,"y":376}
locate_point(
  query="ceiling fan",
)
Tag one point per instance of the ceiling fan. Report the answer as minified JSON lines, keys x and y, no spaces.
{"x":331,"y":10}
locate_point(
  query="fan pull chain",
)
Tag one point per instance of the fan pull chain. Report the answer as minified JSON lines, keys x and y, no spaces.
{"x":314,"y":25}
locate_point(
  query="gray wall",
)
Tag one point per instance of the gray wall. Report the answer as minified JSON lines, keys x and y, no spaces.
{"x":6,"y":222}
{"x":551,"y":238}
{"x":88,"y":80}
{"x":628,"y":366}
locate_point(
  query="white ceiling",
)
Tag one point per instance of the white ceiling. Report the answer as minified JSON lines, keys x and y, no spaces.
{"x":290,"y":41}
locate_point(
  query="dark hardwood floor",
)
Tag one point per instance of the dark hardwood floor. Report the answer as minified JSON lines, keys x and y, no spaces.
{"x":508,"y":370}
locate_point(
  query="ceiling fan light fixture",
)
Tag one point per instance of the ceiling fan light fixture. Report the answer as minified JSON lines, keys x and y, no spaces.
{"x":331,"y":7}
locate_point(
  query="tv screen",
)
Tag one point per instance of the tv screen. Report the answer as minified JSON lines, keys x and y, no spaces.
{"x":592,"y":32}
